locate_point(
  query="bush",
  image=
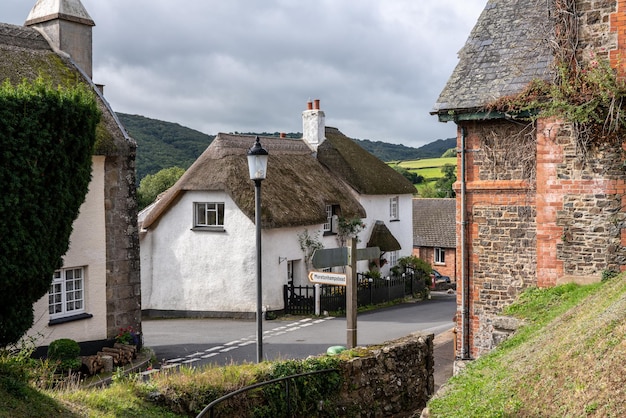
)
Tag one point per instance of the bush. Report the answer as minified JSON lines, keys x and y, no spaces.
{"x":420,"y":267}
{"x":66,"y":352}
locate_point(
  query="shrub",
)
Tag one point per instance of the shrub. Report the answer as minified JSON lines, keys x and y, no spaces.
{"x":66,"y":352}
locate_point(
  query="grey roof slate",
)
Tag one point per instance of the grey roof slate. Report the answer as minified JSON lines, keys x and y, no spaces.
{"x":505,"y":51}
{"x":434,"y":223}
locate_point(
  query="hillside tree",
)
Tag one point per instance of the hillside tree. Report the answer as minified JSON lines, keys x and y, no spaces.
{"x":153,"y":185}
{"x":47,"y":136}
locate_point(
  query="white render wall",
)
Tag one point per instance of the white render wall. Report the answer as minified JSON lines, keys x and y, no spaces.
{"x":215,"y":272}
{"x":87,"y":250}
{"x":377,"y":209}
{"x":187,"y":270}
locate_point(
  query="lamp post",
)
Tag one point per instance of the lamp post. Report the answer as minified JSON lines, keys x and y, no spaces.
{"x":257,"y":164}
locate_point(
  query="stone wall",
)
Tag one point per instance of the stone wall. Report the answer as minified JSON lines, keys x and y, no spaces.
{"x":392,"y":380}
{"x":123,"y":270}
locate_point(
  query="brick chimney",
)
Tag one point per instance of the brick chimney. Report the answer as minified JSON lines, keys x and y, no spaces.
{"x":313,"y":125}
{"x":68,"y":27}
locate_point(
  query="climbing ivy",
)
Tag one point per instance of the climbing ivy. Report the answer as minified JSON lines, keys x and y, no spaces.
{"x":47,"y":136}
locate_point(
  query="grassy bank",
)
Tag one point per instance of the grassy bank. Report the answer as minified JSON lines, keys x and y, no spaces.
{"x":567,"y":362}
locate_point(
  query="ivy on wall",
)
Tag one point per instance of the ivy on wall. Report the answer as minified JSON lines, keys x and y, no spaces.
{"x":47,"y":135}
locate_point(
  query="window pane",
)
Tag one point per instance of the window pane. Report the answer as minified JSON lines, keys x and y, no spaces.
{"x":220,"y":214}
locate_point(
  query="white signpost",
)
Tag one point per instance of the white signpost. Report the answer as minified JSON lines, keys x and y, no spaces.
{"x":342,"y":257}
{"x":322,"y":277}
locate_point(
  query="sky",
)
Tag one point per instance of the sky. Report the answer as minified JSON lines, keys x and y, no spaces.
{"x":377,"y":66}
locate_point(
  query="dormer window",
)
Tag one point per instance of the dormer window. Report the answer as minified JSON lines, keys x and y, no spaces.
{"x":332,"y":216}
{"x":394,"y":208}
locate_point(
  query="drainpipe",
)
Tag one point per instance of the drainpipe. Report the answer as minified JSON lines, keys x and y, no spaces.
{"x":465,"y":350}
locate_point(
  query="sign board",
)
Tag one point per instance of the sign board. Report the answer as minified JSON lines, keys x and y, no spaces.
{"x":323,"y":277}
{"x":330,"y":257}
{"x":333,"y":257}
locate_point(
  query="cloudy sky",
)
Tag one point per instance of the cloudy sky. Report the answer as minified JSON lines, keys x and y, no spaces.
{"x":377,"y":66}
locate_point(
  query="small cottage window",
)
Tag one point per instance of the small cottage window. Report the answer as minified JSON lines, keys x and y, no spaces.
{"x":394,"y":212}
{"x":440,"y":256}
{"x":392,"y":258}
{"x":332,"y":215}
{"x":209,"y":215}
{"x":67,"y":293}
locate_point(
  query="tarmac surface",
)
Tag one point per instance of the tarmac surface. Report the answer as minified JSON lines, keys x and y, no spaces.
{"x":444,"y":357}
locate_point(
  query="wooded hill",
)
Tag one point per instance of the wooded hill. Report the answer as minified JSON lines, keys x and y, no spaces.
{"x":166,"y":144}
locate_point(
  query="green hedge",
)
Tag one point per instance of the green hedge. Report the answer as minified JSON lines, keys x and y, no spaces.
{"x":47,"y":136}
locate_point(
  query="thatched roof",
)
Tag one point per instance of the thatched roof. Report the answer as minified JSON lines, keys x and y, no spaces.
{"x":434,"y":223}
{"x":295,"y":192}
{"x":25,"y":54}
{"x":382,"y":238}
{"x":506,"y":50}
{"x":363,"y":171}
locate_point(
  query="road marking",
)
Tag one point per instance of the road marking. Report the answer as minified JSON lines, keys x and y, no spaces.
{"x":209,"y":355}
{"x":242,"y":342}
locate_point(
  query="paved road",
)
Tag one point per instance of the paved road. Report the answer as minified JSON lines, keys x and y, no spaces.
{"x":223,"y":341}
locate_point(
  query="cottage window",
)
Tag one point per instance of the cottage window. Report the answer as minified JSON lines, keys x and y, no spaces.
{"x":209,"y":215}
{"x":392,"y":258}
{"x":394,"y":212}
{"x":67,"y":293}
{"x":440,"y":256}
{"x":332,"y":214}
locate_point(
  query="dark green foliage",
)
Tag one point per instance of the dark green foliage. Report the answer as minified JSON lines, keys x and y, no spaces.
{"x":154,"y":184}
{"x":163,"y":144}
{"x":46,"y":140}
{"x":421,"y":268}
{"x":66,"y":353}
{"x":409,"y":175}
{"x":443,"y":186}
{"x":305,"y":392}
{"x":397,"y":152}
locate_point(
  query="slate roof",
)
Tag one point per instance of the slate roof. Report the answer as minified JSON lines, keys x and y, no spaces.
{"x":505,"y":51}
{"x":299,"y":183}
{"x":434,"y":223}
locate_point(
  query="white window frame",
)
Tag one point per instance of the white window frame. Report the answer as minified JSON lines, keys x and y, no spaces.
{"x":66,"y":296}
{"x":328,"y":225}
{"x":392,"y":258}
{"x":394,"y":208}
{"x":440,"y":256}
{"x":205,"y":212}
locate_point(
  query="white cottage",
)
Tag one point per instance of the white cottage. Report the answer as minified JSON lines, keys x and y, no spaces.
{"x":198,"y":241}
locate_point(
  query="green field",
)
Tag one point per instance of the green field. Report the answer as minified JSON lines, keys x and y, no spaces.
{"x":429,"y":168}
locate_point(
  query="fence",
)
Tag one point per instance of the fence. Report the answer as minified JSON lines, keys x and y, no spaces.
{"x":300,"y":300}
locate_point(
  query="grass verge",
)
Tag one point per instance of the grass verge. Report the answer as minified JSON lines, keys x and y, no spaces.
{"x":563,"y":363}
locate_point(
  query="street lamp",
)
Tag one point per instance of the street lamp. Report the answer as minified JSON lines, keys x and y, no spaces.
{"x":257,"y":164}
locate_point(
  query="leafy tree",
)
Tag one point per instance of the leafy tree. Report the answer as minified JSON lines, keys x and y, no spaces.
{"x":153,"y":185}
{"x":444,"y":184}
{"x":409,"y":175}
{"x":428,"y":191}
{"x":46,"y":140}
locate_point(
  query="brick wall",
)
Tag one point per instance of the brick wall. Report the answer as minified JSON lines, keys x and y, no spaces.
{"x":552,"y":218}
{"x":428,"y":254}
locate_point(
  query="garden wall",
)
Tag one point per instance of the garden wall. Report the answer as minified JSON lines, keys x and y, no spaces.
{"x":389,"y":380}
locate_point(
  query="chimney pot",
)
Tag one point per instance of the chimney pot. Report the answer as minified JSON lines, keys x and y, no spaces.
{"x":309,"y":105}
{"x":316,"y":106}
{"x":283,"y":135}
